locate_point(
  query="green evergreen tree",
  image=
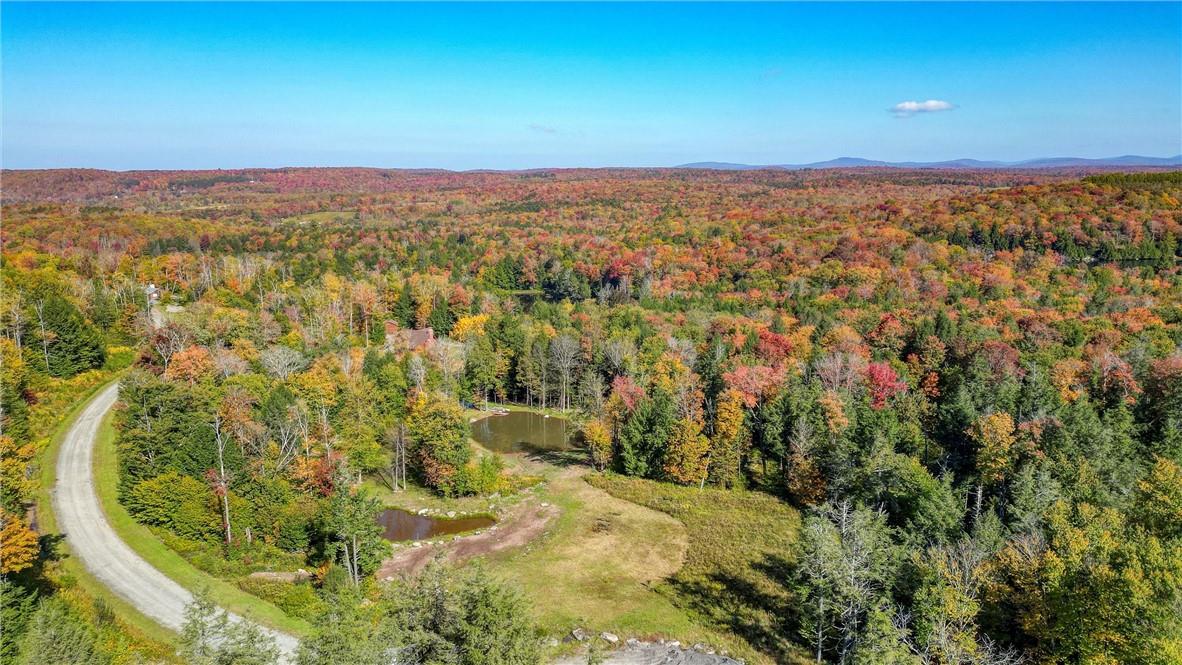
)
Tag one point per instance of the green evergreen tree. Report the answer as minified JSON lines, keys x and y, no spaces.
{"x":210,"y":637}
{"x":17,"y":605}
{"x":63,"y":343}
{"x":58,"y":636}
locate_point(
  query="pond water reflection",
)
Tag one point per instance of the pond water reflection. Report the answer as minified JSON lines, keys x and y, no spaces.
{"x":400,"y":525}
{"x":519,"y":431}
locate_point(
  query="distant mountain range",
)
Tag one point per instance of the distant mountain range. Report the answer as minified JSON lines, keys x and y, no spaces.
{"x":1040,"y":163}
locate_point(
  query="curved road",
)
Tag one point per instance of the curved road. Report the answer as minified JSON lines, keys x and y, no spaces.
{"x":80,"y":517}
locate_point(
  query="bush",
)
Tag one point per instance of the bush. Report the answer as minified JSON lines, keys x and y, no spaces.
{"x":204,"y":555}
{"x":237,"y":560}
{"x":297,"y":599}
{"x":294,"y":528}
{"x":484,"y":477}
{"x":179,"y":503}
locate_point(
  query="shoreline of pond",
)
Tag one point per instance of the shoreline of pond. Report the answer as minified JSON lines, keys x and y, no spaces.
{"x":400,"y":525}
{"x":523,"y":431}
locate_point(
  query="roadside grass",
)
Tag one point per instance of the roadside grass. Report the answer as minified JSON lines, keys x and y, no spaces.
{"x":146,"y":639}
{"x":737,"y":566}
{"x":160,"y":556}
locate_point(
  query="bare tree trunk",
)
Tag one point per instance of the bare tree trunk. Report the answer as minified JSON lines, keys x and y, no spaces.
{"x":224,"y":489}
{"x":977,"y":507}
{"x":402,"y":454}
{"x":325,"y":430}
{"x":820,"y":625}
{"x":17,"y":317}
{"x":40,"y":307}
{"x":356,"y":564}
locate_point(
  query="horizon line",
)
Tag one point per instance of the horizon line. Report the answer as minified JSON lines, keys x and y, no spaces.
{"x":691,"y":165}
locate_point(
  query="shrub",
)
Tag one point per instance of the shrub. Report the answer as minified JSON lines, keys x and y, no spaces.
{"x":297,"y":599}
{"x":294,"y":528}
{"x":484,"y":477}
{"x":179,"y":503}
{"x":119,"y":357}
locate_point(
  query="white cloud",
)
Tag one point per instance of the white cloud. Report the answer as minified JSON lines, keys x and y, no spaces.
{"x":542,"y":129}
{"x":910,"y":108}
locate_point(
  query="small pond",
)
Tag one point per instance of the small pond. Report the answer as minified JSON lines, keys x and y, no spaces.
{"x":400,"y":525}
{"x":519,"y":431}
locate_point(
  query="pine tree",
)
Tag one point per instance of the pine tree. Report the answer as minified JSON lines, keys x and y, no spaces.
{"x":68,"y":344}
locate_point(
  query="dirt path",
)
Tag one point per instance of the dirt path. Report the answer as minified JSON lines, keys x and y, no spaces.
{"x":524,"y":523}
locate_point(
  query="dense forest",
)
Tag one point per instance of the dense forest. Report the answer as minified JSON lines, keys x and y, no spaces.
{"x":947,"y":404}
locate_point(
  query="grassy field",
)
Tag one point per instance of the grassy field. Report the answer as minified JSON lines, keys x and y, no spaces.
{"x":740,"y":552}
{"x":596,"y":563}
{"x":166,"y":560}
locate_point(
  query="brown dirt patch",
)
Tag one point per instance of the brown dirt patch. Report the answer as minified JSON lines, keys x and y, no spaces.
{"x":526,"y":522}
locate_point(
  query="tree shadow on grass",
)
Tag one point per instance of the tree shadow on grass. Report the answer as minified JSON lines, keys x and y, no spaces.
{"x":563,"y":458}
{"x":34,"y":577}
{"x":754,"y":603}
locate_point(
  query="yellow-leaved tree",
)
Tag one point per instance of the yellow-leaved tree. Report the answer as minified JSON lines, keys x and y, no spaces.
{"x":18,"y":544}
{"x":686,"y":458}
{"x":726,"y":448}
{"x":994,"y":436}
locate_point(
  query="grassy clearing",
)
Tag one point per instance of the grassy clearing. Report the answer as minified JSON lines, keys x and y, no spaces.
{"x":600,"y":566}
{"x":593,"y":566}
{"x":166,"y":560}
{"x":477,"y":413}
{"x":739,"y":557}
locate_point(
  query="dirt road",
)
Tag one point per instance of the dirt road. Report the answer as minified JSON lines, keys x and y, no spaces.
{"x":92,"y":540}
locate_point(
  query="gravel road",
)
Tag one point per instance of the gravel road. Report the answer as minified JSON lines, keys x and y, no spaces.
{"x":92,"y":540}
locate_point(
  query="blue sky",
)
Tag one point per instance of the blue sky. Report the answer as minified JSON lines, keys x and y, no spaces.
{"x":191,"y":85}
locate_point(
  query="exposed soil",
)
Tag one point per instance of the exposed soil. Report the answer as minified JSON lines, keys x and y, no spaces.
{"x":524,"y":523}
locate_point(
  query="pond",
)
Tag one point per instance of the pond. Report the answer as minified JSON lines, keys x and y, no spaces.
{"x":519,"y":431}
{"x":400,"y":525}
